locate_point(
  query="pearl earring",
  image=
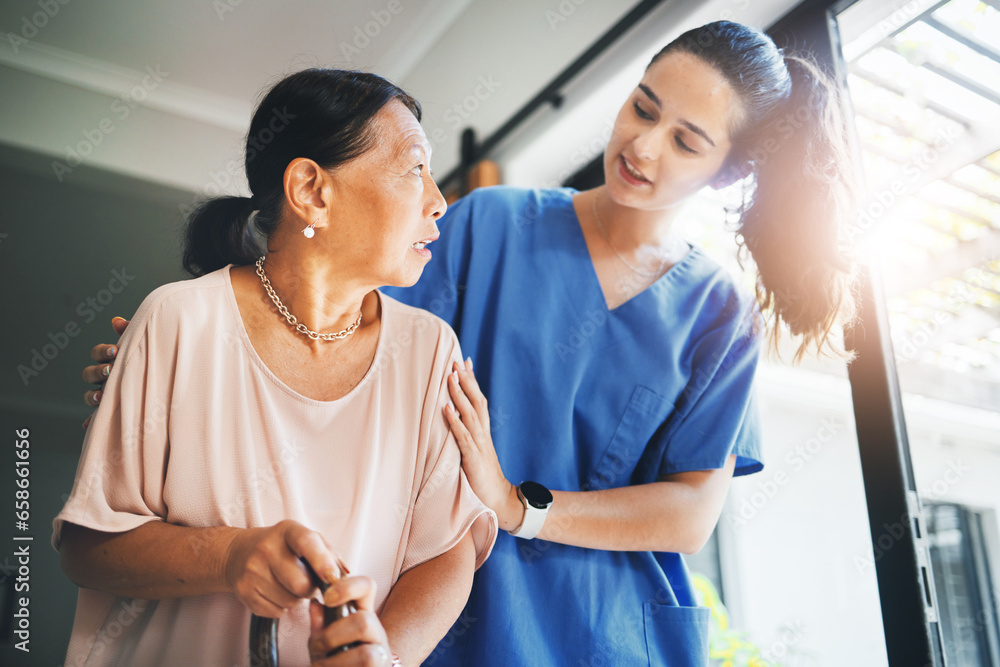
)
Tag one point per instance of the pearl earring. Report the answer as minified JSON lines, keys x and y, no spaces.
{"x":309,"y":231}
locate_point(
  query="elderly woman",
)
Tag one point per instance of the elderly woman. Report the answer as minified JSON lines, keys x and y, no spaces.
{"x":236,"y":438}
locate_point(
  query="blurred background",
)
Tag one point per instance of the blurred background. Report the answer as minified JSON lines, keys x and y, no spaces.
{"x":118,"y":117}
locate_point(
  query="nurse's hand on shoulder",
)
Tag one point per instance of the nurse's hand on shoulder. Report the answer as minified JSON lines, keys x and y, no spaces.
{"x":104,"y":354}
{"x":470,"y":422}
{"x":362,"y":628}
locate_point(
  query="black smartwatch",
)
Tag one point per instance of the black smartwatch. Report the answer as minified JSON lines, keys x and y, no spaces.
{"x":536,"y":500}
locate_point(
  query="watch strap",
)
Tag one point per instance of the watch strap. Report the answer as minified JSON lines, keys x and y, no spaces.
{"x":534,"y":519}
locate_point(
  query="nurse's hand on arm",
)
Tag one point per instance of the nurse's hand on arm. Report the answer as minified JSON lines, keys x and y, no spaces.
{"x":677,"y":513}
{"x":104,"y":354}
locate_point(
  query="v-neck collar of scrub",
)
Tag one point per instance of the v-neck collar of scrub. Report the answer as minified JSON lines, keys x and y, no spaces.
{"x":669,"y":277}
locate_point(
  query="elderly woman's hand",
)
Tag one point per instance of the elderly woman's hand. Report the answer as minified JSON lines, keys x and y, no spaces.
{"x":470,"y":422}
{"x":263,"y":568}
{"x":362,"y":628}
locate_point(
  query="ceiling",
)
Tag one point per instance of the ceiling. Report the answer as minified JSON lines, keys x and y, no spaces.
{"x":190,"y":72}
{"x":230,"y":47}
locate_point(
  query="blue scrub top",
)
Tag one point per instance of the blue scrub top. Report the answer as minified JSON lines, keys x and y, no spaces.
{"x":582,"y":398}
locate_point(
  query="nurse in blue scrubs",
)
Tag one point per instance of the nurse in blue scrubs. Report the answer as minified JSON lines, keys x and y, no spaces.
{"x":618,"y":361}
{"x":608,"y":399}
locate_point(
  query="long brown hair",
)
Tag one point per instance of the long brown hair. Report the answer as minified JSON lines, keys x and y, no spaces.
{"x":801,"y":189}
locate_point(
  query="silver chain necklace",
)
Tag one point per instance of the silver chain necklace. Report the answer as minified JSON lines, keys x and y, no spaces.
{"x":301,"y":328}
{"x":607,"y":239}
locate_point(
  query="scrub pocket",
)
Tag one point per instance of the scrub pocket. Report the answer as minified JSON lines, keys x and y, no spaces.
{"x":645,"y":411}
{"x":676,"y":636}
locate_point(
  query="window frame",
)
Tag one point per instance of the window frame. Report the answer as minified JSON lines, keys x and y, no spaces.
{"x":905,"y":579}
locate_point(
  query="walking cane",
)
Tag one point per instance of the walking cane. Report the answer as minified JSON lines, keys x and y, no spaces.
{"x":264,"y":631}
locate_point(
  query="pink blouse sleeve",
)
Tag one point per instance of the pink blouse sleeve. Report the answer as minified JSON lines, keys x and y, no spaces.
{"x":446,"y":507}
{"x":119,"y":480}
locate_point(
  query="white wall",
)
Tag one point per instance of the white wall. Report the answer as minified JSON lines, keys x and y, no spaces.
{"x":802,"y":578}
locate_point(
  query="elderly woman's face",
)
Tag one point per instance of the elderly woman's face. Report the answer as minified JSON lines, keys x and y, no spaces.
{"x":386,"y":202}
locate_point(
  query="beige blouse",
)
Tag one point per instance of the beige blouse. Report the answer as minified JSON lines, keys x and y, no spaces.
{"x":195,"y":430}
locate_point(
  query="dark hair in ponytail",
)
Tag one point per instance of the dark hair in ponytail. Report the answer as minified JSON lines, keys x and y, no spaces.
{"x":792,"y":138}
{"x":321,"y":114}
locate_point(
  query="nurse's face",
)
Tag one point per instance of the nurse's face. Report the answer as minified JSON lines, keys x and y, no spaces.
{"x":672,"y":136}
